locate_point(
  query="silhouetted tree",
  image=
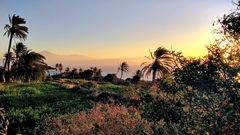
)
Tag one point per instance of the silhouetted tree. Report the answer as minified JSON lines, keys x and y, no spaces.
{"x":60,"y":67}
{"x":230,"y":23}
{"x":19,"y":49}
{"x":88,"y":74}
{"x":56,"y":66}
{"x":136,"y":78}
{"x":15,"y":29}
{"x":123,"y":68}
{"x":10,"y":57}
{"x":67,"y":69}
{"x":31,"y":66}
{"x":110,"y":78}
{"x":74,"y":73}
{"x":97,"y":74}
{"x":80,"y":70}
{"x":160,"y":63}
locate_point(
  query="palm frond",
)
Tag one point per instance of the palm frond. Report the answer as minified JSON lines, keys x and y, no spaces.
{"x":151,"y":54}
{"x":16,"y":27}
{"x":16,"y":20}
{"x":148,"y":57}
{"x":160,"y":52}
{"x":10,"y":20}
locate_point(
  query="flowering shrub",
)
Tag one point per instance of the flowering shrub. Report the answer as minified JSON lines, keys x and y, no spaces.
{"x":104,"y":119}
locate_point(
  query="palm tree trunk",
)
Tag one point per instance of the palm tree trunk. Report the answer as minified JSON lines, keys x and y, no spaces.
{"x":154,"y":75}
{"x":9,"y":48}
{"x":9,"y":60}
{"x":121,"y":74}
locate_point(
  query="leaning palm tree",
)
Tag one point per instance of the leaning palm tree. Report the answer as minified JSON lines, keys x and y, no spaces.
{"x":124,"y":67}
{"x":160,"y":63}
{"x":15,"y":29}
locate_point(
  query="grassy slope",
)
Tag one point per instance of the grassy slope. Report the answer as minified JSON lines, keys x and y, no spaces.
{"x":29,"y":104}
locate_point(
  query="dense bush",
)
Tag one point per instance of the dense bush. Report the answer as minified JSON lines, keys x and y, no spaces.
{"x":105,"y":119}
{"x":102,"y":120}
{"x":212,"y":112}
{"x":110,"y":78}
{"x":157,"y":108}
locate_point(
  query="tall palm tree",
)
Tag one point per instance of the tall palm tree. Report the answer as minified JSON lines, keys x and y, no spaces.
{"x":160,"y":63}
{"x":124,"y":67}
{"x":10,"y":57}
{"x":15,"y":29}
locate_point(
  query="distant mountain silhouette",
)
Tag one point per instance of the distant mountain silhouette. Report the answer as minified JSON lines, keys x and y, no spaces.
{"x":70,"y":60}
{"x":52,"y":55}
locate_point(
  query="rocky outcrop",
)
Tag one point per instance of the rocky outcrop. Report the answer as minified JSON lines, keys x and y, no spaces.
{"x":3,"y":122}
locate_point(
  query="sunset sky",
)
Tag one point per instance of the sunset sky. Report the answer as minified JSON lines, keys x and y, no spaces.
{"x":115,"y":28}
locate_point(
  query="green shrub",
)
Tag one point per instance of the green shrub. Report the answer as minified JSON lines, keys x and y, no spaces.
{"x":3,"y":89}
{"x":88,"y":85}
{"x":112,"y":88}
{"x":155,"y":108}
{"x":23,"y":120}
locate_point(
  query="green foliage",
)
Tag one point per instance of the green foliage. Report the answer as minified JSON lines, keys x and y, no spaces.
{"x":156,"y":108}
{"x":211,"y":93}
{"x":230,"y":22}
{"x":88,"y":85}
{"x":28,"y":104}
{"x":199,"y":75}
{"x":169,"y":85}
{"x":112,"y":88}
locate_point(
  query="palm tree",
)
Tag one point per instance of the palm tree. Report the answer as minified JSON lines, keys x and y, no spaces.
{"x":15,"y":29}
{"x":124,"y":67}
{"x":31,"y":66}
{"x":80,"y":70}
{"x":138,"y":73}
{"x":137,"y":76}
{"x":60,"y":67}
{"x":56,"y":66}
{"x":19,"y":49}
{"x":10,"y":58}
{"x":67,"y":69}
{"x":160,"y":63}
{"x":74,"y":72}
